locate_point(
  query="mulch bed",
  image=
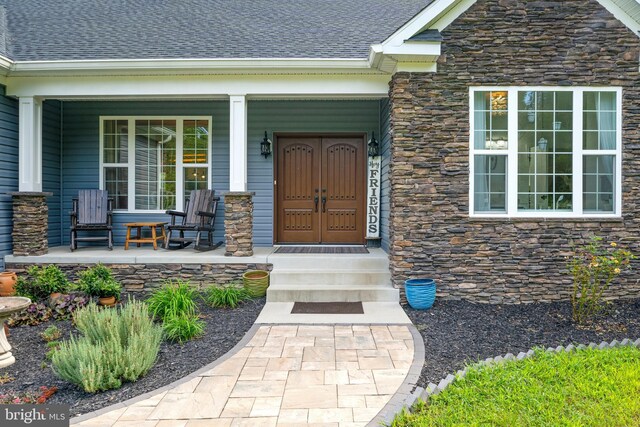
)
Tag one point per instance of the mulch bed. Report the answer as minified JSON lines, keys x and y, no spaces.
{"x":224,"y":328}
{"x":459,"y":332}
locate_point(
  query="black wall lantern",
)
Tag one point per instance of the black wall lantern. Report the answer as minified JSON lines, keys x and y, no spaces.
{"x":265,"y":146}
{"x":373,"y":148}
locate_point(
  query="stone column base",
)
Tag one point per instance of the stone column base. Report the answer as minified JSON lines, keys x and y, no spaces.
{"x":238,"y":223}
{"x":30,"y":223}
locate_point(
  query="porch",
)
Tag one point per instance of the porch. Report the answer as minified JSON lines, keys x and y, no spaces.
{"x":294,"y":277}
{"x":113,"y":145}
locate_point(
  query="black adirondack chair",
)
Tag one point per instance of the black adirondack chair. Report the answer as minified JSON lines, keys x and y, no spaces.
{"x":199,"y":217}
{"x":91,"y":212}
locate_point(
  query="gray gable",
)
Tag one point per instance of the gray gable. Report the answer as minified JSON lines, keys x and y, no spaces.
{"x":146,"y":29}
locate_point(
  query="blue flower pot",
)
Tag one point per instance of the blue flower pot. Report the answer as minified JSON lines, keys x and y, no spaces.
{"x":421,"y":293}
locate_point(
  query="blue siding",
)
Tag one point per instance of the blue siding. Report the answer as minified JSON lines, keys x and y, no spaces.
{"x":8,"y":169}
{"x":295,"y":116}
{"x":385,"y":184}
{"x":81,"y":140}
{"x":51,"y":147}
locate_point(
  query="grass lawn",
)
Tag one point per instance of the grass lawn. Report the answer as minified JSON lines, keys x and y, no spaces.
{"x":589,"y":387}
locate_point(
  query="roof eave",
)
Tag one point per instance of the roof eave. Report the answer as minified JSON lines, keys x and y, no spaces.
{"x":189,"y":66}
{"x":5,"y":65}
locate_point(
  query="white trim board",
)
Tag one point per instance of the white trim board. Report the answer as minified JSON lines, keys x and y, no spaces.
{"x":69,"y":87}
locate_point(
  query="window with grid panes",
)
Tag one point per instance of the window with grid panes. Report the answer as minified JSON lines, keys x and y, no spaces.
{"x":153,"y":163}
{"x":545,"y":151}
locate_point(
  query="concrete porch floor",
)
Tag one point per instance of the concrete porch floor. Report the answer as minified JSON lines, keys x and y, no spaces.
{"x":142,"y":255}
{"x":147,"y":255}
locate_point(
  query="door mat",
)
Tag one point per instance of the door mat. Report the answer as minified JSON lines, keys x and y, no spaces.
{"x":321,"y":250}
{"x":327,"y":308}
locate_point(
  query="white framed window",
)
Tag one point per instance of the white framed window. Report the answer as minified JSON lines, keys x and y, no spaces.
{"x":150,"y":164}
{"x":545,"y":151}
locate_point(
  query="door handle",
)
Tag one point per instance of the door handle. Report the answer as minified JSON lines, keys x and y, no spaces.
{"x":324,"y":204}
{"x":315,"y":200}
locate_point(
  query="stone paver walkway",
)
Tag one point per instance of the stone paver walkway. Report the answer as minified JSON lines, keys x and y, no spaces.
{"x":286,"y":375}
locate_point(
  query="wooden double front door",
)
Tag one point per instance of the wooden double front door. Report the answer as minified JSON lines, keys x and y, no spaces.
{"x":320,"y":189}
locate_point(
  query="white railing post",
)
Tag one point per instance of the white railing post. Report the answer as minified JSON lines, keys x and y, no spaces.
{"x":30,"y":145}
{"x":238,"y":143}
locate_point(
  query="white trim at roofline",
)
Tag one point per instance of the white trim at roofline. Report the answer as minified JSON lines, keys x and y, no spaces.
{"x":191,"y":65}
{"x":201,"y":86}
{"x":622,"y":15}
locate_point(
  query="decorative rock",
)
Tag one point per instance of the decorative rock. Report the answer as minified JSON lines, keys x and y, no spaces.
{"x":603,"y":345}
{"x":637,"y":343}
{"x":569,"y":348}
{"x":625,"y":341}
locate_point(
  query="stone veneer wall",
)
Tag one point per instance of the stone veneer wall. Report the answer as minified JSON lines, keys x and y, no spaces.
{"x":238,"y":223}
{"x":138,"y":277}
{"x":30,"y":223}
{"x":544,"y":43}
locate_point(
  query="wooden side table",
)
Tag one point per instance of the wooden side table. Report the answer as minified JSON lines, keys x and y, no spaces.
{"x":138,"y":237}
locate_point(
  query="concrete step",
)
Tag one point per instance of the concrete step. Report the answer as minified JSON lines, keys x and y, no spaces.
{"x":325,"y":262}
{"x":322,"y":293}
{"x":330,"y":277}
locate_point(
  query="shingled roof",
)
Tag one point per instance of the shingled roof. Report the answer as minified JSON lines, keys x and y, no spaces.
{"x":32,"y":30}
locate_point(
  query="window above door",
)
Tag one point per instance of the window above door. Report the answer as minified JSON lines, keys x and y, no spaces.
{"x":150,"y":164}
{"x":545,"y":152}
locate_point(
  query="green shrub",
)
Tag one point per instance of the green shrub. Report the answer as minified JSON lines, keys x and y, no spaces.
{"x":173,"y":299}
{"x":116,"y":346}
{"x":41,"y":282}
{"x":53,"y":347}
{"x":225,"y":296}
{"x":52,"y":333}
{"x":64,"y":306}
{"x":98,"y":281}
{"x":594,"y":266}
{"x":34,"y":314}
{"x":182,"y":327}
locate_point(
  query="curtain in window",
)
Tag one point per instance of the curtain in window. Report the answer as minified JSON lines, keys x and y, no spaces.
{"x":482,"y":166}
{"x":606,"y":104}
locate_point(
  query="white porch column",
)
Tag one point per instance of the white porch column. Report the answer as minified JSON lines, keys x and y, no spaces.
{"x":238,"y":143}
{"x":30,"y":145}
